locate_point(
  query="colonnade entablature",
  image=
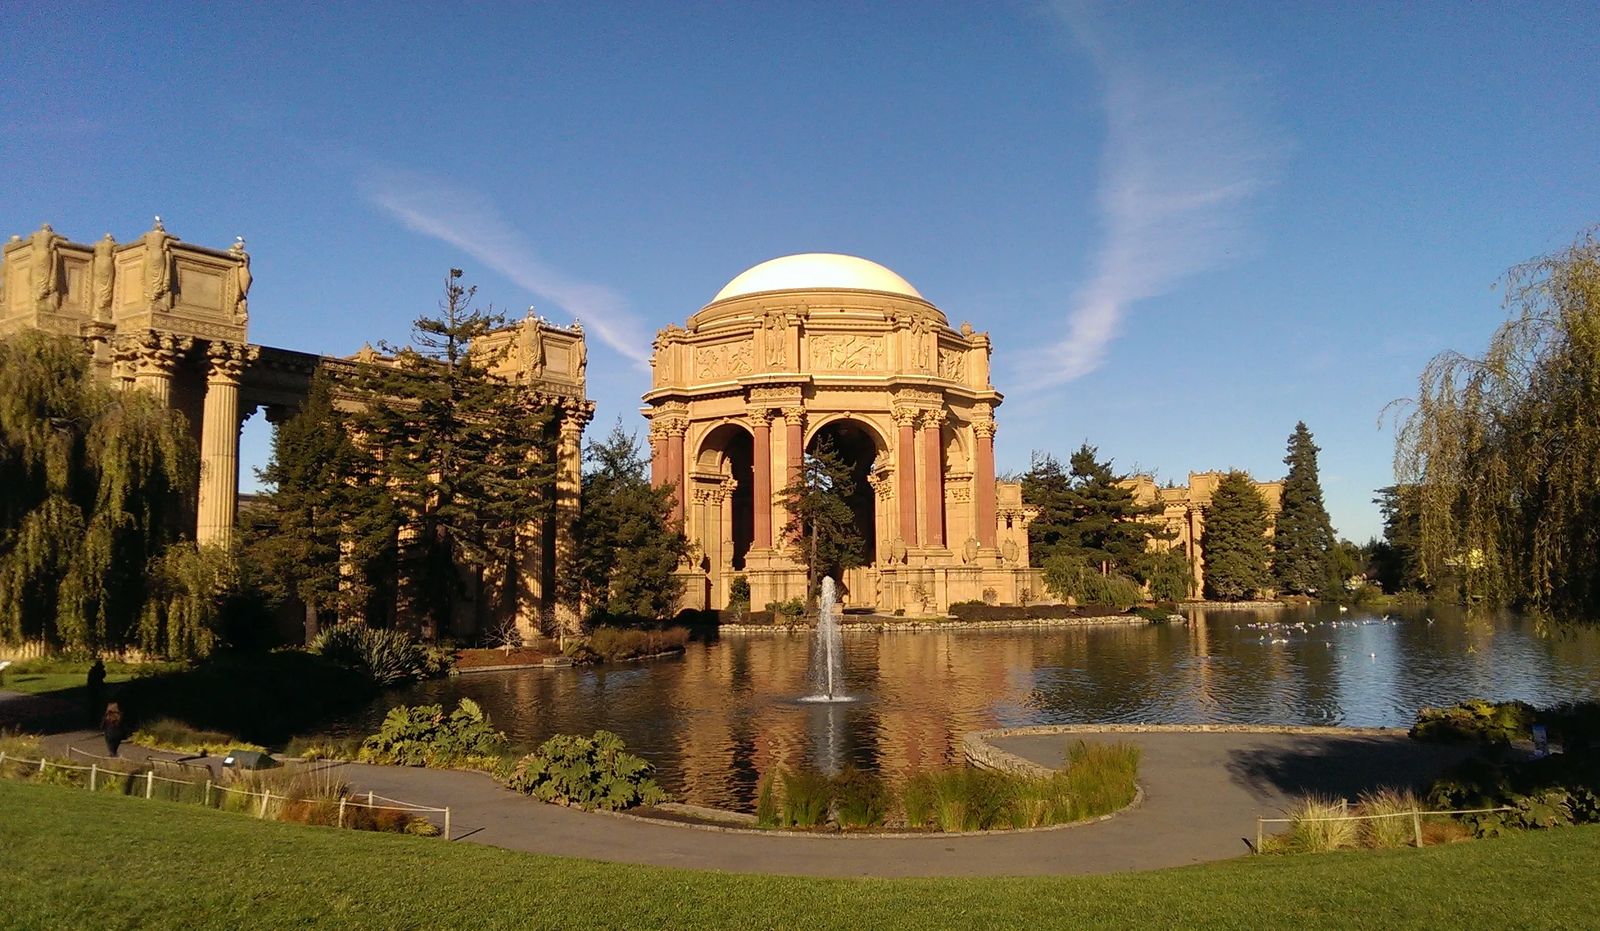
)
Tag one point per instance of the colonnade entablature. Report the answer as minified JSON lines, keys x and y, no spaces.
{"x":837,"y":347}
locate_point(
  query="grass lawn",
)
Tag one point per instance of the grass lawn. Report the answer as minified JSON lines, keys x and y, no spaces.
{"x":53,"y":675}
{"x":70,"y":859}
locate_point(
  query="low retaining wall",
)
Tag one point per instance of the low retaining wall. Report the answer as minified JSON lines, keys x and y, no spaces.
{"x":982,"y":753}
{"x":925,"y":625}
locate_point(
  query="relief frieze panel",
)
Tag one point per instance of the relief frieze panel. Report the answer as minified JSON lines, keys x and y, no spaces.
{"x":722,"y":360}
{"x":840,"y":352}
{"x":952,"y":364}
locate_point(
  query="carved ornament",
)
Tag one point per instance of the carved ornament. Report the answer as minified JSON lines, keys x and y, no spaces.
{"x":838,"y":352}
{"x":722,"y":360}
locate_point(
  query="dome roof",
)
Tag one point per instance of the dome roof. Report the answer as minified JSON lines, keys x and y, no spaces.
{"x":814,"y":271}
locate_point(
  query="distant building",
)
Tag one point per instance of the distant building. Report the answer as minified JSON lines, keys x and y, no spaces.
{"x":1184,"y":513}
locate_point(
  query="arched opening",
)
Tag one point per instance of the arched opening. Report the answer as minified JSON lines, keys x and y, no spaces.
{"x":729,"y":450}
{"x":857,"y":447}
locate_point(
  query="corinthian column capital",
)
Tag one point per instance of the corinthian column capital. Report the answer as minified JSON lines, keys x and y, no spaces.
{"x":227,"y":360}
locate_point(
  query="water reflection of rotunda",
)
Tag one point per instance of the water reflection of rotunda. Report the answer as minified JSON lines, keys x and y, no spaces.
{"x":818,"y":345}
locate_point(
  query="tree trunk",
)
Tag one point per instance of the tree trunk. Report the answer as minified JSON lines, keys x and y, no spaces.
{"x":312,"y":626}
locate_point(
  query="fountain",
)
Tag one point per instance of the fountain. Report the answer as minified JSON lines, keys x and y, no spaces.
{"x":827,"y":650}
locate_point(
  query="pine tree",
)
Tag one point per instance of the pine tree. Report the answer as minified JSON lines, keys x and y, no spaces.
{"x":822,"y":527}
{"x":465,"y":457}
{"x":1047,"y":487}
{"x":1234,"y":543}
{"x":1303,"y":560}
{"x":628,"y":547}
{"x":98,"y":484}
{"x":1086,"y":513}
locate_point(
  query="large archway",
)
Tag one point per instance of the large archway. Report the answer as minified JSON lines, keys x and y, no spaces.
{"x":728,"y":452}
{"x":857,"y":446}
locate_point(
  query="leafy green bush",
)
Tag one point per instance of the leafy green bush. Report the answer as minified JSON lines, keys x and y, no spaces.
{"x":1071,"y":577}
{"x":387,"y":657}
{"x":1557,"y":790}
{"x":425,"y":736}
{"x":791,"y":609}
{"x":739,"y":595}
{"x":806,"y":795}
{"x":1476,"y":720}
{"x":586,"y":772}
{"x":619,"y":643}
{"x":862,"y":798}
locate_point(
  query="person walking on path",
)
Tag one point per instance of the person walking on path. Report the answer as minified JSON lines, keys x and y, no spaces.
{"x":112,"y":726}
{"x":97,"y":688}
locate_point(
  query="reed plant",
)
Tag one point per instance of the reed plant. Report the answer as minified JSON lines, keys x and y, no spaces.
{"x":767,"y":813}
{"x":917,"y":799}
{"x":1311,"y":830}
{"x":1100,"y":778}
{"x":862,"y":799}
{"x":170,"y":734}
{"x":806,"y":796}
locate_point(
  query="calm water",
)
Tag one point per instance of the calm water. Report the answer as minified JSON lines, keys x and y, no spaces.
{"x":717,"y":718}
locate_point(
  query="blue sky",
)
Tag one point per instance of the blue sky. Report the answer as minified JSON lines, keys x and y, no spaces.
{"x":1186,"y":226}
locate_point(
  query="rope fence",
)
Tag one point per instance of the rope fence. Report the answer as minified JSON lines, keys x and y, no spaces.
{"x":1416,"y":815}
{"x":258,"y":800}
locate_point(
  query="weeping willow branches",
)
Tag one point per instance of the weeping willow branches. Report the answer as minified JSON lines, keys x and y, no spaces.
{"x":1503,"y":450}
{"x":94,"y":486}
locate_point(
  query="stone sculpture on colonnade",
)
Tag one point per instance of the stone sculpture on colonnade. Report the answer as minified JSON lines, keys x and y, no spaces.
{"x":820,"y":345}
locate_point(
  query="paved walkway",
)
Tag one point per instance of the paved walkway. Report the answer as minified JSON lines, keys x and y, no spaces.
{"x":1203,"y":792}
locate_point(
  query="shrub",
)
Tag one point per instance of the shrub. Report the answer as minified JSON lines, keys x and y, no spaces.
{"x":1392,"y":830}
{"x":323,"y":748}
{"x":619,"y":643}
{"x":1558,"y":790}
{"x":1476,"y":720}
{"x":425,"y":736}
{"x":862,"y":798}
{"x":739,"y":595}
{"x":806,"y":795}
{"x":586,"y":772}
{"x":917,"y":800}
{"x":1308,"y":832}
{"x":791,"y":609}
{"x":387,"y":657}
{"x":1070,"y":577}
{"x":766,"y":804}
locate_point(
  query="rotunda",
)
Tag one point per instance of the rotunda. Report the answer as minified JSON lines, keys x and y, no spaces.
{"x":820,"y":345}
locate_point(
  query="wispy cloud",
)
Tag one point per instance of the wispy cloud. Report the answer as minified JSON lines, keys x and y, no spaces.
{"x":469,"y":221}
{"x":1184,"y":157}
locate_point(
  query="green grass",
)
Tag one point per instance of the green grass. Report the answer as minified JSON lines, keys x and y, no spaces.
{"x":37,"y":676}
{"x":72,"y":859}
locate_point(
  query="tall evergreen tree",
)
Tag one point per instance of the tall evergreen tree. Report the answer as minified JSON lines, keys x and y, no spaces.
{"x":822,"y":527}
{"x":1303,"y":557}
{"x":628,"y":547}
{"x":465,"y":457}
{"x":1047,"y":487}
{"x":1234,"y":543}
{"x":1087,"y":513}
{"x":98,"y":486}
{"x":1396,"y":556}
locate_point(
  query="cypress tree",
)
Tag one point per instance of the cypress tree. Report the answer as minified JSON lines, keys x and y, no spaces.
{"x":1303,"y":558}
{"x":1234,"y":543}
{"x":628,"y":548}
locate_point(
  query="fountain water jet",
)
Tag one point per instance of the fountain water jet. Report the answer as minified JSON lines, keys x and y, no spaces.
{"x":827,"y":649}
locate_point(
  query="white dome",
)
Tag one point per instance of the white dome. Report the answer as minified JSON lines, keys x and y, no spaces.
{"x":815,"y":270}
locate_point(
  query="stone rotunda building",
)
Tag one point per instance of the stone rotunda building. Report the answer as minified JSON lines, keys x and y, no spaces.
{"x":820,"y":345}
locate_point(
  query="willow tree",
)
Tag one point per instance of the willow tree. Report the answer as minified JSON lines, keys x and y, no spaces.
{"x":98,"y":484}
{"x":1501,"y":449}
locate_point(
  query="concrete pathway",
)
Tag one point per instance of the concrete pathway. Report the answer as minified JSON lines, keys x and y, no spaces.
{"x":1203,"y":792}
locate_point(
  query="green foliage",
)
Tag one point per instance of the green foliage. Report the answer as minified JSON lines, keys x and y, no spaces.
{"x":628,"y":546}
{"x":463,"y":460}
{"x":1397,"y":557}
{"x":917,"y":799}
{"x":790,"y":608}
{"x":98,"y":483}
{"x":863,"y":799}
{"x":822,"y":526}
{"x":619,"y":643}
{"x":806,"y":796}
{"x":387,"y":657}
{"x":1170,"y":576}
{"x":1303,"y":558}
{"x":1555,"y":791}
{"x":739,"y":594}
{"x":425,"y":735}
{"x":1100,"y":777}
{"x":1476,"y":721}
{"x":189,"y":589}
{"x":167,"y":734}
{"x":1311,"y":831}
{"x":1090,"y":514}
{"x":1237,"y":553}
{"x":1500,"y":449}
{"x":1390,"y":829}
{"x":1070,"y":577}
{"x":586,"y":772}
{"x":767,"y":813}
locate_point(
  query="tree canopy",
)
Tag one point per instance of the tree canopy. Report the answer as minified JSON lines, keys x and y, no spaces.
{"x":1089,"y":514}
{"x":1304,"y":561}
{"x":1234,"y":543}
{"x":822,"y":527}
{"x":628,"y":546}
{"x":1501,"y":448}
{"x":99,"y":486}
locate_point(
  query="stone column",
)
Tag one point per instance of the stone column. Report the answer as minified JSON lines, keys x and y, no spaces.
{"x":761,"y":486}
{"x":983,"y":478}
{"x":658,"y":455}
{"x":219,"y":441}
{"x":676,"y":428}
{"x":933,"y":490}
{"x":569,"y":490}
{"x":794,"y":419}
{"x":708,"y":510}
{"x":151,"y":358}
{"x":905,"y":465}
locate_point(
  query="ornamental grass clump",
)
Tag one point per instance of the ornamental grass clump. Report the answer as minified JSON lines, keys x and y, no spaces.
{"x":387,"y":657}
{"x":1316,"y":826}
{"x":586,"y":772}
{"x":767,"y":813}
{"x":1100,"y":778}
{"x":917,"y":800}
{"x":862,"y":799}
{"x":168,"y":734}
{"x":806,"y":796}
{"x":1395,"y":828}
{"x":425,"y":735}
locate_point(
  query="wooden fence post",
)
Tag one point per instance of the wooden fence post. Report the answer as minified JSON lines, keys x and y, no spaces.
{"x":1416,"y":823}
{"x":447,"y":822}
{"x":208,"y":793}
{"x":1259,"y":828}
{"x":149,"y":784}
{"x":341,"y":811}
{"x":265,"y":797}
{"x":94,"y":775}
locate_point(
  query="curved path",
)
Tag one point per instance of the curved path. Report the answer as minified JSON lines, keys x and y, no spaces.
{"x":1203,"y":792}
